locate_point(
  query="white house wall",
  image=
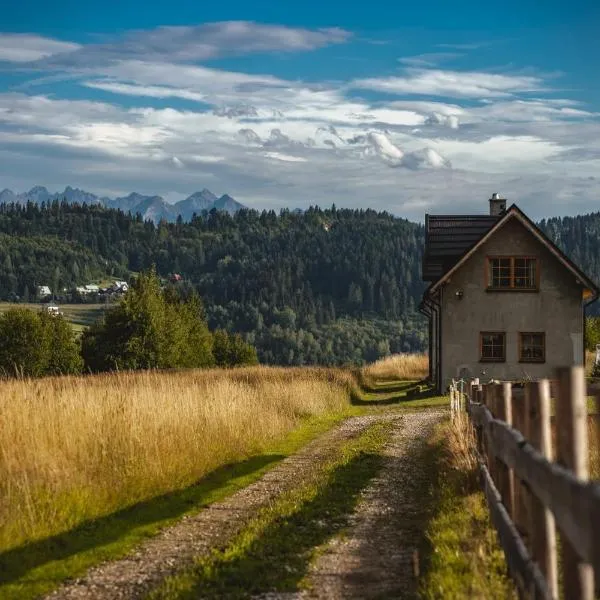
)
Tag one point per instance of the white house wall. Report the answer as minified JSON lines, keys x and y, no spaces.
{"x":556,"y":310}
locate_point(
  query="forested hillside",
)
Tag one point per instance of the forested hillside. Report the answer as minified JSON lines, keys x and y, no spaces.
{"x":326,"y":286}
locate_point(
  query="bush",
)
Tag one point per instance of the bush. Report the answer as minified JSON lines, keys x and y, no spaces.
{"x":34,"y":344}
{"x":231,"y":350}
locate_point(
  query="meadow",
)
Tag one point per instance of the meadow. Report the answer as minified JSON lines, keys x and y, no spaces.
{"x":76,"y":448}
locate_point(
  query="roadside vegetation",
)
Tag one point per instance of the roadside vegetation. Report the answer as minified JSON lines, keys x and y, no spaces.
{"x":397,"y":367}
{"x":465,"y":557}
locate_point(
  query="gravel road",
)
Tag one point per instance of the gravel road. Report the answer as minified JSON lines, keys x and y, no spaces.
{"x":176,"y":547}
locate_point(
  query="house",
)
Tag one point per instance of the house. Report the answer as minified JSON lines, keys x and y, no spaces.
{"x":175,"y":278}
{"x":120,"y":287}
{"x":503,"y":301}
{"x":43,"y":291}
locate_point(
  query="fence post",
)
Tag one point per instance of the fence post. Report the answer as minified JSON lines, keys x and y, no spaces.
{"x":543,"y":531}
{"x":479,"y":400}
{"x":488,"y":392}
{"x":572,"y":453}
{"x":520,"y":517}
{"x":505,"y":475}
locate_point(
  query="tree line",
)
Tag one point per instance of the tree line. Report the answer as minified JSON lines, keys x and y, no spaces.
{"x":324,"y":286}
{"x":151,"y":328}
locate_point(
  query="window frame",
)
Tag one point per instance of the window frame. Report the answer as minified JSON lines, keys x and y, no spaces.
{"x":532,"y":360}
{"x":512,"y":287}
{"x":492,"y":359}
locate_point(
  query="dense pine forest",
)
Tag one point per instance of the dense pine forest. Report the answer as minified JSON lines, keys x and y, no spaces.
{"x":322,"y":286}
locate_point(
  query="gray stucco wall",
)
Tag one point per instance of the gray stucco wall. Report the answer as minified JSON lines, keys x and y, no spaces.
{"x":557,"y":310}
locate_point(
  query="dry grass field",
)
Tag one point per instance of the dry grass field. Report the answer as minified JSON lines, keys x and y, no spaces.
{"x":398,"y":366}
{"x":75,"y":448}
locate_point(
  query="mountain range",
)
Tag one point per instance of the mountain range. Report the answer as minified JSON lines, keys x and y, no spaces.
{"x":153,"y":208}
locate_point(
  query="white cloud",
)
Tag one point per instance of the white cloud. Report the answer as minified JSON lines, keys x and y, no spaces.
{"x":25,"y":47}
{"x":201,"y":42}
{"x":151,"y":91}
{"x":430,"y":59}
{"x":286,"y":142}
{"x":385,"y":148}
{"x":437,"y":118}
{"x":284,"y":157}
{"x":460,"y":84}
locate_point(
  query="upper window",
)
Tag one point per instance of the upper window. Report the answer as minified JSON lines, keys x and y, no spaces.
{"x":512,"y":273}
{"x":532,"y":347}
{"x":493,"y":346}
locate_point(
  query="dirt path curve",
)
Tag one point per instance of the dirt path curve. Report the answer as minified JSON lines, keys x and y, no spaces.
{"x":375,"y":557}
{"x":175,"y":548}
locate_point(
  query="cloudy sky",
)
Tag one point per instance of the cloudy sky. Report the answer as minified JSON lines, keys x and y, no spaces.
{"x":407,"y":107}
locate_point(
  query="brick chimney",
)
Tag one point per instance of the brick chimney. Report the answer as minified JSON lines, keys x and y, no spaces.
{"x":497,"y":205}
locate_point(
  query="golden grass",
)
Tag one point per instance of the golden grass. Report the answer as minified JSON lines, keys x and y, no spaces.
{"x":398,"y":366}
{"x":75,"y":448}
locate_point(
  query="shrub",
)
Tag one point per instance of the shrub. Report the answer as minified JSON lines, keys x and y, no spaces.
{"x":34,"y":344}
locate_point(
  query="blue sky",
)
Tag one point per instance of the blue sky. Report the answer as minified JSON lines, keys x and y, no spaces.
{"x":411,"y":108}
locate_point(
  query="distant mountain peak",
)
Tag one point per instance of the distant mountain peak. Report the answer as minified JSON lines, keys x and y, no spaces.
{"x":152,"y":207}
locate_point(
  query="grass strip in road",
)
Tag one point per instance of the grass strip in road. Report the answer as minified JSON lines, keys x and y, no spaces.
{"x":35,"y":569}
{"x":465,"y":559}
{"x":274,"y":551}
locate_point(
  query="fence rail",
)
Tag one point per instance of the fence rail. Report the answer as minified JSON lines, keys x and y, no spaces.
{"x":532,"y":490}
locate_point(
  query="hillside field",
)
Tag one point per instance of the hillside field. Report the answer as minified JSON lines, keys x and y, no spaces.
{"x":79,"y":315}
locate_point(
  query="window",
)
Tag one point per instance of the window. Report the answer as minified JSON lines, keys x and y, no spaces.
{"x":493,"y":346}
{"x":512,"y":273}
{"x":532,"y":347}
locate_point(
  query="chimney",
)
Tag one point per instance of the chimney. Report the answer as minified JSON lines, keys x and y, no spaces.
{"x":497,"y":205}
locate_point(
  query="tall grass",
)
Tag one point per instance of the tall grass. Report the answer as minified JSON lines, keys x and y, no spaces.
{"x":398,"y":366}
{"x":75,"y":448}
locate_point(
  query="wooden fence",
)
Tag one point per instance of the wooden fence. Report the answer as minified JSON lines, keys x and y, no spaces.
{"x":533,"y":490}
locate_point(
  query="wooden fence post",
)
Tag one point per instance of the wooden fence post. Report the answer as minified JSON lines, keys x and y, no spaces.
{"x":543,"y":531}
{"x":479,"y":400}
{"x":572,"y":453}
{"x":505,"y":475}
{"x":520,"y":513}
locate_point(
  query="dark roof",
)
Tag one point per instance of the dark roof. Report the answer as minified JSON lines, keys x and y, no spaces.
{"x":448,"y":237}
{"x":450,"y":224}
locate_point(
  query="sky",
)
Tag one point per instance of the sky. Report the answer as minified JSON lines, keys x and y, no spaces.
{"x":413,"y":108}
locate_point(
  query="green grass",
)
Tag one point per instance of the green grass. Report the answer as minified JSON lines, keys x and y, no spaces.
{"x":401,"y":394}
{"x":465,"y":560}
{"x":274,"y":551}
{"x":39,"y":567}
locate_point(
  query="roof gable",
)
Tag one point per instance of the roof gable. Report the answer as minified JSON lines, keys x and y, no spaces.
{"x":515,"y":213}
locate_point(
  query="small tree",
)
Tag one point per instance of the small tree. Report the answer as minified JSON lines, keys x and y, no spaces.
{"x":64,"y":349}
{"x":34,"y":344}
{"x":149,"y":329}
{"x":23,"y":343}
